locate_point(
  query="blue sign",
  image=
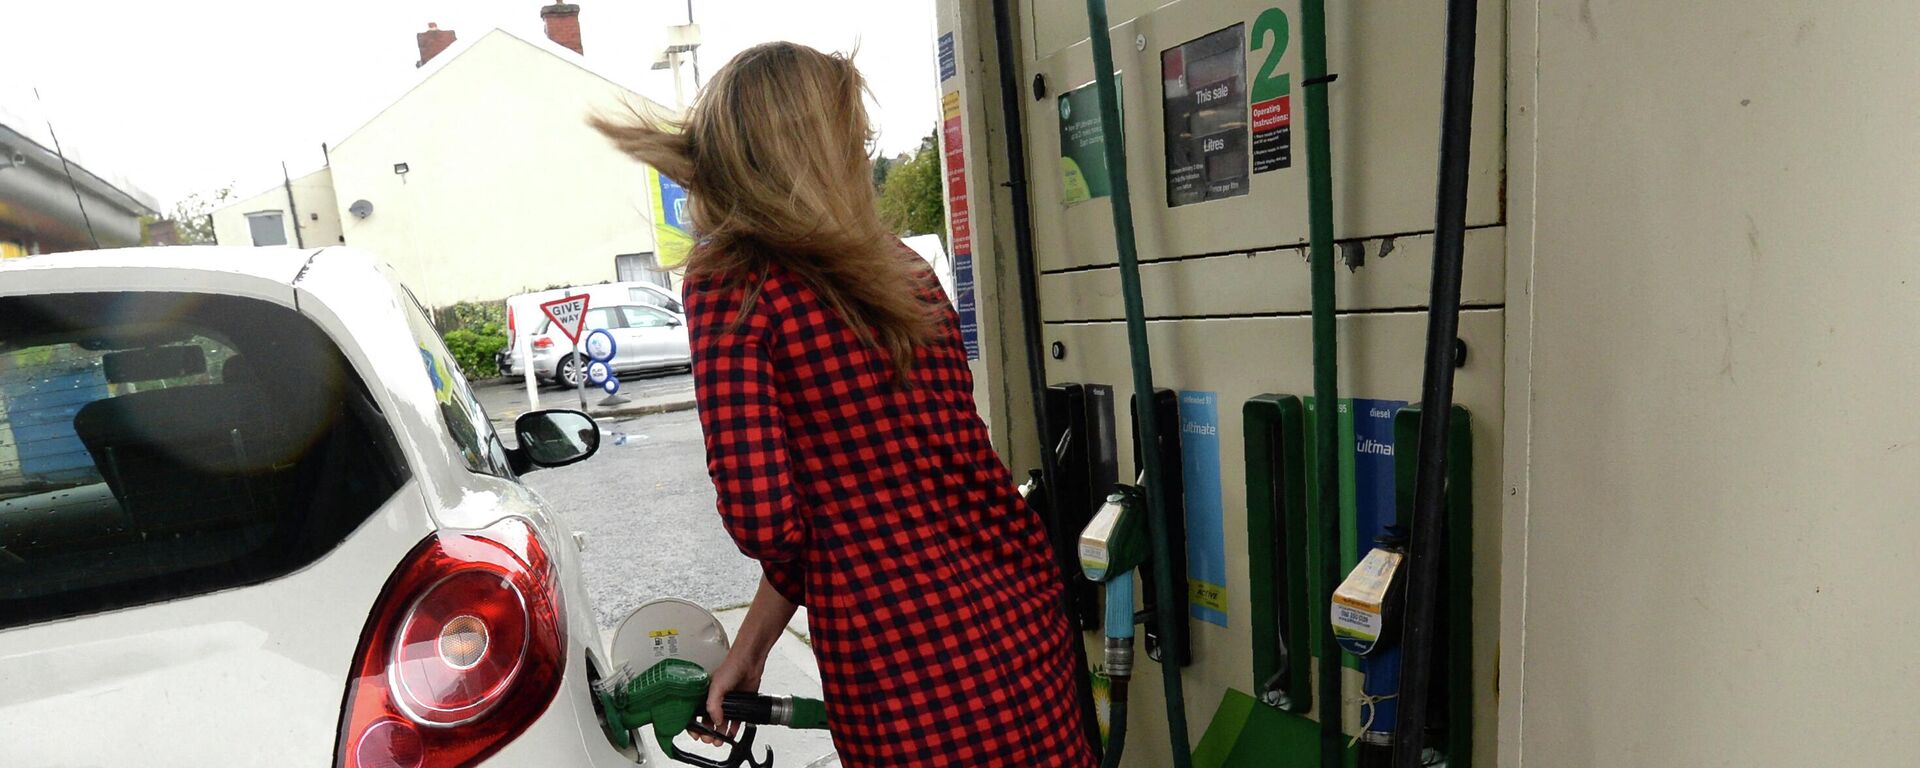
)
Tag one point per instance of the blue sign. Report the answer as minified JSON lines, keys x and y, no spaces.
{"x":1374,"y":505}
{"x":611,"y":385}
{"x":964,"y":304}
{"x":949,"y":64}
{"x":673,"y":204}
{"x":600,"y":346}
{"x":1206,"y":515}
{"x":598,"y":372}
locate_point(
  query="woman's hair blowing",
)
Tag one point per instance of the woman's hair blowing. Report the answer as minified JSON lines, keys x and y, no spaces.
{"x":774,"y":158}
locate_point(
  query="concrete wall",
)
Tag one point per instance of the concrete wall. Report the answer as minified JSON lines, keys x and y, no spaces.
{"x":319,"y":218}
{"x":1713,"y":466}
{"x":507,"y":188}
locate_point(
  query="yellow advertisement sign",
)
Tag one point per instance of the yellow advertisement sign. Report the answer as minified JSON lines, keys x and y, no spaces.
{"x":672,"y":222}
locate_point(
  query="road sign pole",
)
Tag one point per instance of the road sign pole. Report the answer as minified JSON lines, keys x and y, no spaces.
{"x":523,"y":348}
{"x":580,"y":374}
{"x":569,"y":314}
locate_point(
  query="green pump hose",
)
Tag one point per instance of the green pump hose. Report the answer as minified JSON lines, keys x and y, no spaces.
{"x":1325,"y":366}
{"x":1173,"y":644}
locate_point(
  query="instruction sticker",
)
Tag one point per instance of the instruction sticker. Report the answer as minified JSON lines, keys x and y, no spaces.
{"x":1359,"y":605}
{"x":1205,"y":110}
{"x":1272,"y":107}
{"x":959,"y":223}
{"x":1083,"y":146}
{"x":949,"y":65}
{"x":1206,"y":526}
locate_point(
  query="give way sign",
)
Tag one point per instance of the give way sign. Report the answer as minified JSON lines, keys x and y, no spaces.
{"x":569,"y":314}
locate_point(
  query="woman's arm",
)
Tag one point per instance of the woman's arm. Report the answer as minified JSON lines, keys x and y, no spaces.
{"x":734,"y":386}
{"x":747,"y":659}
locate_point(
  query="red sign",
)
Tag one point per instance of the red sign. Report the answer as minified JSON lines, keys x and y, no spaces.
{"x":959,"y":222}
{"x":569,"y":314}
{"x":1272,"y":114}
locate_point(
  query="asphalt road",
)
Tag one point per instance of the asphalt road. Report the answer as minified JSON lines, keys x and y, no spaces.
{"x":648,"y":509}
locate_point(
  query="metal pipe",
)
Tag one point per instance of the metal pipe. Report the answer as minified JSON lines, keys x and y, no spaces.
{"x":293,"y":211}
{"x":1032,"y":334}
{"x":1326,"y":387}
{"x":1436,"y":396}
{"x":1174,"y":647}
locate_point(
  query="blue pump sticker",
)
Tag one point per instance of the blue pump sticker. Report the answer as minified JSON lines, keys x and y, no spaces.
{"x":1373,"y":481}
{"x":1374,"y":509}
{"x":964,"y":300}
{"x":949,"y":64}
{"x":1206,"y":526}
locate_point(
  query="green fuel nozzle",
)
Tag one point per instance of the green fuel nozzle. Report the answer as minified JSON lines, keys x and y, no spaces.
{"x":671,"y":694}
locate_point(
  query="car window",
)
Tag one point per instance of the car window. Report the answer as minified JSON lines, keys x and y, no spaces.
{"x":471,"y":431}
{"x":653,"y":299}
{"x":646,"y":317}
{"x":155,"y":446}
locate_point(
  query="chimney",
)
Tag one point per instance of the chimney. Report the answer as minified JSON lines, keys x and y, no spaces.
{"x":563,"y":24}
{"x":432,"y":42}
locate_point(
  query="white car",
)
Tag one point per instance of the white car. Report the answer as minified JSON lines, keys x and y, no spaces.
{"x":524,"y":310}
{"x":250,"y":514}
{"x":646,"y":338}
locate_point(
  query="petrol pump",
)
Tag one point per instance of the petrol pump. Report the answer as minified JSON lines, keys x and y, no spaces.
{"x":1231,"y":206}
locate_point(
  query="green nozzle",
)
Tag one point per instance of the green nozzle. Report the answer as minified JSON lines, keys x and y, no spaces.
{"x":667,"y":696}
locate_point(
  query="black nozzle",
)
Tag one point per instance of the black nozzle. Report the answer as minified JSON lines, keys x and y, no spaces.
{"x":748,"y":708}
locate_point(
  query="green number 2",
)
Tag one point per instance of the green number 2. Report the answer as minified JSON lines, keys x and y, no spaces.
{"x":1271,"y":23}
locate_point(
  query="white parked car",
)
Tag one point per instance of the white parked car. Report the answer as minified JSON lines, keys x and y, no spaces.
{"x":646,"y":338}
{"x":251,"y":515}
{"x":524,"y":311}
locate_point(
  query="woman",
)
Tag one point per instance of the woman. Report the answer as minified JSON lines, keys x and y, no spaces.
{"x":843,"y":439}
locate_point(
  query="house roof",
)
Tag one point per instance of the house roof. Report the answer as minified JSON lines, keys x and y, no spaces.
{"x":461,"y":47}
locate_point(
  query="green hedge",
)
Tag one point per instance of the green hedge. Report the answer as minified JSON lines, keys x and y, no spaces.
{"x":474,"y":331}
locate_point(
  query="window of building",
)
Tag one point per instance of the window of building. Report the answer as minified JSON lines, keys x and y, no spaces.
{"x":640,"y":268}
{"x":267,"y":228}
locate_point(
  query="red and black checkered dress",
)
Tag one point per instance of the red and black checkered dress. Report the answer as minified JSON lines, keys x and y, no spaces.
{"x":933,"y":603}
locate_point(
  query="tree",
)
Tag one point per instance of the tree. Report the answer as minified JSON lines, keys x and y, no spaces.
{"x":911,"y":197}
{"x":193,"y":216}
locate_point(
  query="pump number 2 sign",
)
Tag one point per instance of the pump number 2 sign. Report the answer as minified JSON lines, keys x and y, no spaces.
{"x":1272,"y":94}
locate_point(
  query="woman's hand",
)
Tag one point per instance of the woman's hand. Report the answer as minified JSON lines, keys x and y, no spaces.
{"x":740,"y":672}
{"x":746,"y":660}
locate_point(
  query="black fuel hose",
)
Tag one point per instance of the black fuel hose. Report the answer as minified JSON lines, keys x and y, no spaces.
{"x":1436,"y":396}
{"x":1033,"y":337}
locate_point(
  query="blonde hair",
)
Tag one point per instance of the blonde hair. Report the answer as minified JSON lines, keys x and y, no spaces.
{"x":774,"y":158}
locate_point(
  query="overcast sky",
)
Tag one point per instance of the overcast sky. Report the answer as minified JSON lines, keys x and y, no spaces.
{"x":182,"y":96}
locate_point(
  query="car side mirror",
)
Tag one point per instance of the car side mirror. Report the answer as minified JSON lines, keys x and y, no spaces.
{"x":673,"y":322}
{"x":553,"y":438}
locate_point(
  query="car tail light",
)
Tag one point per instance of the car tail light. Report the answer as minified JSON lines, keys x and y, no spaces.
{"x":543,"y":343}
{"x":464,"y":650}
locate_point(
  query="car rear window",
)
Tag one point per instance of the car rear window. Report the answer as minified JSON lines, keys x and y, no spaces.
{"x":160,"y":445}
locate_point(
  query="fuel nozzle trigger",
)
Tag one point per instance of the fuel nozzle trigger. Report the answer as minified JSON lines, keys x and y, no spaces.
{"x":740,"y":755}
